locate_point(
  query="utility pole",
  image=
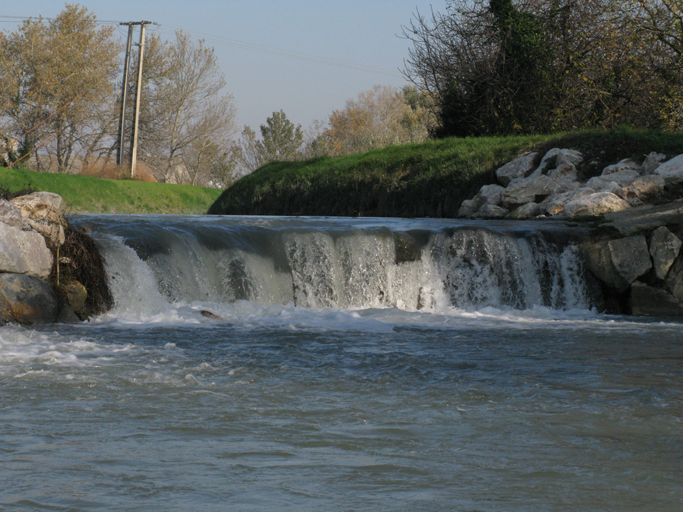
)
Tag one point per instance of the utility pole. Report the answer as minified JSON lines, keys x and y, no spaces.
{"x":136,"y":113}
{"x":124,"y":94}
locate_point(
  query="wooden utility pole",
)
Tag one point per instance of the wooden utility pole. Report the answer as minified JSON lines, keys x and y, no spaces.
{"x":136,"y":112}
{"x":124,"y":93}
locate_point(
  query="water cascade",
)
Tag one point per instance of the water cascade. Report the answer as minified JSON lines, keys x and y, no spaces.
{"x":338,"y":263}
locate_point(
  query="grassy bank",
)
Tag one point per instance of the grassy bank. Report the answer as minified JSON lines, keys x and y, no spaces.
{"x":85,"y":194}
{"x":417,"y":180}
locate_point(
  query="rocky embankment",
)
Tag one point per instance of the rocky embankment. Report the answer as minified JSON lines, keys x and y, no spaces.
{"x":635,"y":251}
{"x":41,"y":261}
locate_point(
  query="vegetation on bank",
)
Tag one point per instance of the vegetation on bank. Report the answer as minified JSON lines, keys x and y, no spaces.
{"x":419,"y":180}
{"x":85,"y":194}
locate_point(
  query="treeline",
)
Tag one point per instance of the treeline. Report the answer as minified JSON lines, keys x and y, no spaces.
{"x":538,"y":66}
{"x":60,"y":85}
{"x":380,"y":117}
{"x":60,"y":98}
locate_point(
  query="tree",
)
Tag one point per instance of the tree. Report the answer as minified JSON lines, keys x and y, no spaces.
{"x":187,"y":122}
{"x":281,"y":139}
{"x":504,"y":66}
{"x":61,"y":74}
{"x":378,"y":118}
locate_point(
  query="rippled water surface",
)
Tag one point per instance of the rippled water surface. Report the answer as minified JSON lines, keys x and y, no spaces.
{"x":286,"y":408}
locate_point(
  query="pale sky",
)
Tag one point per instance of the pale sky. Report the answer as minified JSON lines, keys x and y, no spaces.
{"x":357,"y":40}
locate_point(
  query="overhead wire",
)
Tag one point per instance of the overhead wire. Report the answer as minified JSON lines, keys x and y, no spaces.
{"x":244,"y":45}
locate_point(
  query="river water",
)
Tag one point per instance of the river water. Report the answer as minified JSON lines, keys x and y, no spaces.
{"x":367,"y":364}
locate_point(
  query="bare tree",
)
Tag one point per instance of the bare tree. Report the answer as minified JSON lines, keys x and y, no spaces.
{"x":188,"y":120}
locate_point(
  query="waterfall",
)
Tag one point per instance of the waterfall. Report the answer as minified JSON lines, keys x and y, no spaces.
{"x":350,"y":264}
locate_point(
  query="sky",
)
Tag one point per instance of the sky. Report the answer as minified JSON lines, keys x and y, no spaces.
{"x":345,"y":46}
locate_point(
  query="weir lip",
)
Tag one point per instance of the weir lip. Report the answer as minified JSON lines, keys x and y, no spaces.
{"x":322,"y":262}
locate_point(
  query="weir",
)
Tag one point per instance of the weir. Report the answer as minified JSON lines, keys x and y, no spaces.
{"x":421,"y":264}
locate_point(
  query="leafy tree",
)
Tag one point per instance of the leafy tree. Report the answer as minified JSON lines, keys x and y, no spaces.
{"x":378,"y":118}
{"x":281,"y":139}
{"x":60,"y":73}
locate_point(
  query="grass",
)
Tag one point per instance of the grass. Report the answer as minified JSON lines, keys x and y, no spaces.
{"x":418,"y":180}
{"x":85,"y":194}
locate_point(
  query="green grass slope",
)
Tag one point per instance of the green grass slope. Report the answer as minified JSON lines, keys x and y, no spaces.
{"x":85,"y":194}
{"x":417,"y":180}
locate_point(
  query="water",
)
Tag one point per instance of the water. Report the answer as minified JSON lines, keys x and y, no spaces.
{"x":344,"y":375}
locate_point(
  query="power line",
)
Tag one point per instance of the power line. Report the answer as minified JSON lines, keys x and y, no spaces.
{"x":244,"y":45}
{"x":236,"y":43}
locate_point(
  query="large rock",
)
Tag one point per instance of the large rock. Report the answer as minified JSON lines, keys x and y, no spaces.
{"x":565,"y":173}
{"x":491,"y":211}
{"x":41,"y":210}
{"x":520,"y":167}
{"x":674,"y":280}
{"x":624,"y":165}
{"x":652,"y":161}
{"x":24,"y":252}
{"x":467,"y":208}
{"x":488,"y":194}
{"x":641,"y":189}
{"x":10,"y":214}
{"x":622,"y":177}
{"x":650,"y":301}
{"x":595,"y":205}
{"x":618,"y":262}
{"x":27,"y":300}
{"x":672,"y":171}
{"x":664,"y":249}
{"x":599,"y":184}
{"x":527,"y":190}
{"x":40,"y":207}
{"x":644,"y":219}
{"x":557,"y":157}
{"x":554,"y":204}
{"x":526,"y":211}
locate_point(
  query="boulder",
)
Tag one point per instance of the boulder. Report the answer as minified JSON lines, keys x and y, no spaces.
{"x":618,"y":262}
{"x":641,"y":189}
{"x":644,"y":219}
{"x":565,"y":173}
{"x":41,"y":211}
{"x":624,"y":165}
{"x":622,"y":177}
{"x":526,"y":211}
{"x":671,"y":171}
{"x":55,"y":201}
{"x":467,"y":208}
{"x":674,"y":280}
{"x":10,"y":214}
{"x":652,"y":161}
{"x":527,"y":190}
{"x":603,"y":185}
{"x":520,"y":167}
{"x":76,"y":295}
{"x":36,"y":208}
{"x":595,"y":204}
{"x":491,"y":211}
{"x":27,"y":300}
{"x":650,"y":301}
{"x":24,"y":252}
{"x":554,"y":204}
{"x":557,"y":157}
{"x":664,"y":249}
{"x":488,"y":194}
